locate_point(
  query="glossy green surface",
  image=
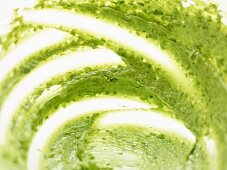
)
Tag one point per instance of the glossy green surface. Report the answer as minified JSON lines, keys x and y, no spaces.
{"x":194,"y":37}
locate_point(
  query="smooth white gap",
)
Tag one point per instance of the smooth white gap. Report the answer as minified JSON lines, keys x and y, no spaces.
{"x":36,"y":42}
{"x":224,"y":18}
{"x":188,"y":3}
{"x":63,"y":115}
{"x":150,"y":119}
{"x":5,"y":29}
{"x":98,"y":27}
{"x":6,"y":13}
{"x":212,"y":152}
{"x":72,"y":61}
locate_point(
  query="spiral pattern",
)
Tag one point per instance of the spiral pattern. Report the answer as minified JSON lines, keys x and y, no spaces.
{"x":114,"y":85}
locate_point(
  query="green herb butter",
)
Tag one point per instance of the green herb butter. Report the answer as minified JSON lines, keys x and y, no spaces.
{"x":116,"y":84}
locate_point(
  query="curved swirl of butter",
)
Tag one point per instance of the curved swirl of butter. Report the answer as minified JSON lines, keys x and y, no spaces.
{"x":114,"y":85}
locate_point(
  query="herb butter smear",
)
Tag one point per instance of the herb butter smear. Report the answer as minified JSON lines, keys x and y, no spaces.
{"x":114,"y":85}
